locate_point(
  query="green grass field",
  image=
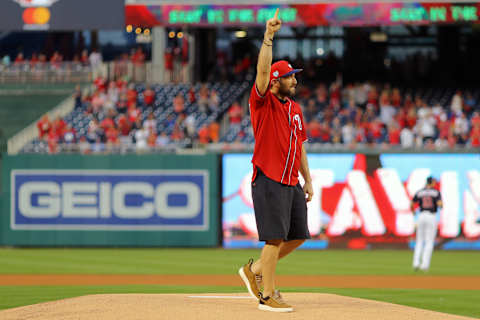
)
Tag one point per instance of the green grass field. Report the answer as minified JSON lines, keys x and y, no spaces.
{"x":218,"y":261}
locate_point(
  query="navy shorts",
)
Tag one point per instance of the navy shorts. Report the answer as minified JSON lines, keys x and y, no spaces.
{"x":280,"y":209}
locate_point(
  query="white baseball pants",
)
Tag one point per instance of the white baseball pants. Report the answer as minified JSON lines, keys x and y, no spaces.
{"x":425,"y":241}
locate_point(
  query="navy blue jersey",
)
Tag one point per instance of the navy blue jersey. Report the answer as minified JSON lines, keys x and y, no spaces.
{"x":427,"y":199}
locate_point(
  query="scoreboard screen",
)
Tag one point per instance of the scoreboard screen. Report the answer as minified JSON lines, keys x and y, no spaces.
{"x":354,"y":14}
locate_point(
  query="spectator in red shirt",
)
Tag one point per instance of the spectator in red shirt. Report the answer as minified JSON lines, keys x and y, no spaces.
{"x":56,"y":59}
{"x":131,"y":95}
{"x":59,"y":126}
{"x":33,"y":60}
{"x":452,"y":138}
{"x":151,"y":140}
{"x":443,"y":125}
{"x":44,"y":126}
{"x":203,"y":135}
{"x":112,"y":136}
{"x":475,"y":120}
{"x":401,"y":118}
{"x":138,"y":57}
{"x":376,"y":131}
{"x":396,"y":98}
{"x":100,"y":83}
{"x":108,"y":121}
{"x":408,"y":102}
{"x":214,"y":131}
{"x":315,"y":130}
{"x":52,"y":140}
{"x":133,"y":113}
{"x":235,"y":114}
{"x":124,"y":125}
{"x":394,"y":134}
{"x":411,"y":118}
{"x":148,"y":96}
{"x":191,"y":95}
{"x":325,"y":132}
{"x":19,"y":59}
{"x":475,"y":136}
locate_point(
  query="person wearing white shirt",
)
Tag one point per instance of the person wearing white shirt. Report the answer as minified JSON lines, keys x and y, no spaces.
{"x":348,"y":133}
{"x":150,"y":124}
{"x":460,"y":125}
{"x":141,"y":136}
{"x":407,"y":138}
{"x":96,"y":61}
{"x":387,"y":112}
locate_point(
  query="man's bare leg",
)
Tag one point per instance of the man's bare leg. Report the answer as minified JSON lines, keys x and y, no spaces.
{"x":285,"y":248}
{"x":269,"y":259}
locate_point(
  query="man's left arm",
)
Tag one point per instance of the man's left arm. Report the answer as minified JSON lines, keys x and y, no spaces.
{"x":305,"y":171}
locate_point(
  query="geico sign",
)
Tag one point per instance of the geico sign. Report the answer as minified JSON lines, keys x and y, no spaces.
{"x":92,"y":200}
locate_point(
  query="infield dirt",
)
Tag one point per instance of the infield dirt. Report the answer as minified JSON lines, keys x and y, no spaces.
{"x":212,"y":307}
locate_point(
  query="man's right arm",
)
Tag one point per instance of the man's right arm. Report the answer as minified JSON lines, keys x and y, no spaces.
{"x":265,"y":56}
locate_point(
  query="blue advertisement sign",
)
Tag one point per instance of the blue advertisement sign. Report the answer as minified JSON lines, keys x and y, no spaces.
{"x":109,"y":200}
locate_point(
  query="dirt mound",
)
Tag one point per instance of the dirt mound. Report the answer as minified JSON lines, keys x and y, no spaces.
{"x":215,"y":306}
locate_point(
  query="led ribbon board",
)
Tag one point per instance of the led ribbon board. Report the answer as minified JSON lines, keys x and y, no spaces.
{"x":368,"y":14}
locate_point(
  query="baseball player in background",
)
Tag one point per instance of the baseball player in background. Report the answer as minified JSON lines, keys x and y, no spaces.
{"x":279,"y":200}
{"x":429,"y":200}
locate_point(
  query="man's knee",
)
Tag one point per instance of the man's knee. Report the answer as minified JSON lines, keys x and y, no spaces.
{"x":275,"y":242}
{"x":296,"y":242}
{"x":300,"y":241}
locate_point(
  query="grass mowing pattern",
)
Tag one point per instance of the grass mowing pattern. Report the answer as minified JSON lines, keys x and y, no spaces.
{"x":219,"y":261}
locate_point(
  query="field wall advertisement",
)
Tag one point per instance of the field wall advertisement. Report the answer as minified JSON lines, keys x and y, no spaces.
{"x":364,"y":201}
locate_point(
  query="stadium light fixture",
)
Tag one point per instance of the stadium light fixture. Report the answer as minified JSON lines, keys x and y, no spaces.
{"x":320,"y":51}
{"x":146,"y":32}
{"x":171,"y":34}
{"x":240,"y":34}
{"x":378,"y":37}
{"x":129,"y":28}
{"x":138,"y":30}
{"x":180,"y":35}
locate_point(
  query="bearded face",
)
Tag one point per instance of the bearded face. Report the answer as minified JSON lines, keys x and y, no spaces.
{"x":287,"y":85}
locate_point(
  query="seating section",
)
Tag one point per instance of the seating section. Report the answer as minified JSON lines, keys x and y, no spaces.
{"x":165,"y":114}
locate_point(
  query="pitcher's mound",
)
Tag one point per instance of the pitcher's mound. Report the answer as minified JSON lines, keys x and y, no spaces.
{"x":215,"y":306}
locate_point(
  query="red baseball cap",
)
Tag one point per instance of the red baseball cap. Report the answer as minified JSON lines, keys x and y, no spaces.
{"x":282,"y":69}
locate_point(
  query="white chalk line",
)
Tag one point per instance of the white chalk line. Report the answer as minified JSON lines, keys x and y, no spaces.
{"x":220,"y":297}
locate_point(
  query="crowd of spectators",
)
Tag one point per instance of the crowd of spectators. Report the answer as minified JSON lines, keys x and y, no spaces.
{"x":122,"y":119}
{"x":380,"y":115}
{"x":39,"y":60}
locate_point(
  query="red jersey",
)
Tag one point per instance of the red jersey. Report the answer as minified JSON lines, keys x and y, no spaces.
{"x":279,"y":134}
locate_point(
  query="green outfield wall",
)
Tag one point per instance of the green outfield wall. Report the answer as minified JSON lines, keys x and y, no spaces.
{"x":128,"y":200}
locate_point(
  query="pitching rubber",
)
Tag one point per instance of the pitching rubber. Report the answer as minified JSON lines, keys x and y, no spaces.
{"x":268,"y":308}
{"x":247,"y":283}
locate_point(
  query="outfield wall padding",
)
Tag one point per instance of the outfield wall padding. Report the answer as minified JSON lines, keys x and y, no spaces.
{"x":111,"y":200}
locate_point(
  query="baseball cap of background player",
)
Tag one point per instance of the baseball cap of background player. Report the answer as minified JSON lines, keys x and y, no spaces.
{"x":282,"y":69}
{"x":430,"y":180}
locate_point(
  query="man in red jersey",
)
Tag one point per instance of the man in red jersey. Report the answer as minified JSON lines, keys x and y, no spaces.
{"x":279,"y":199}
